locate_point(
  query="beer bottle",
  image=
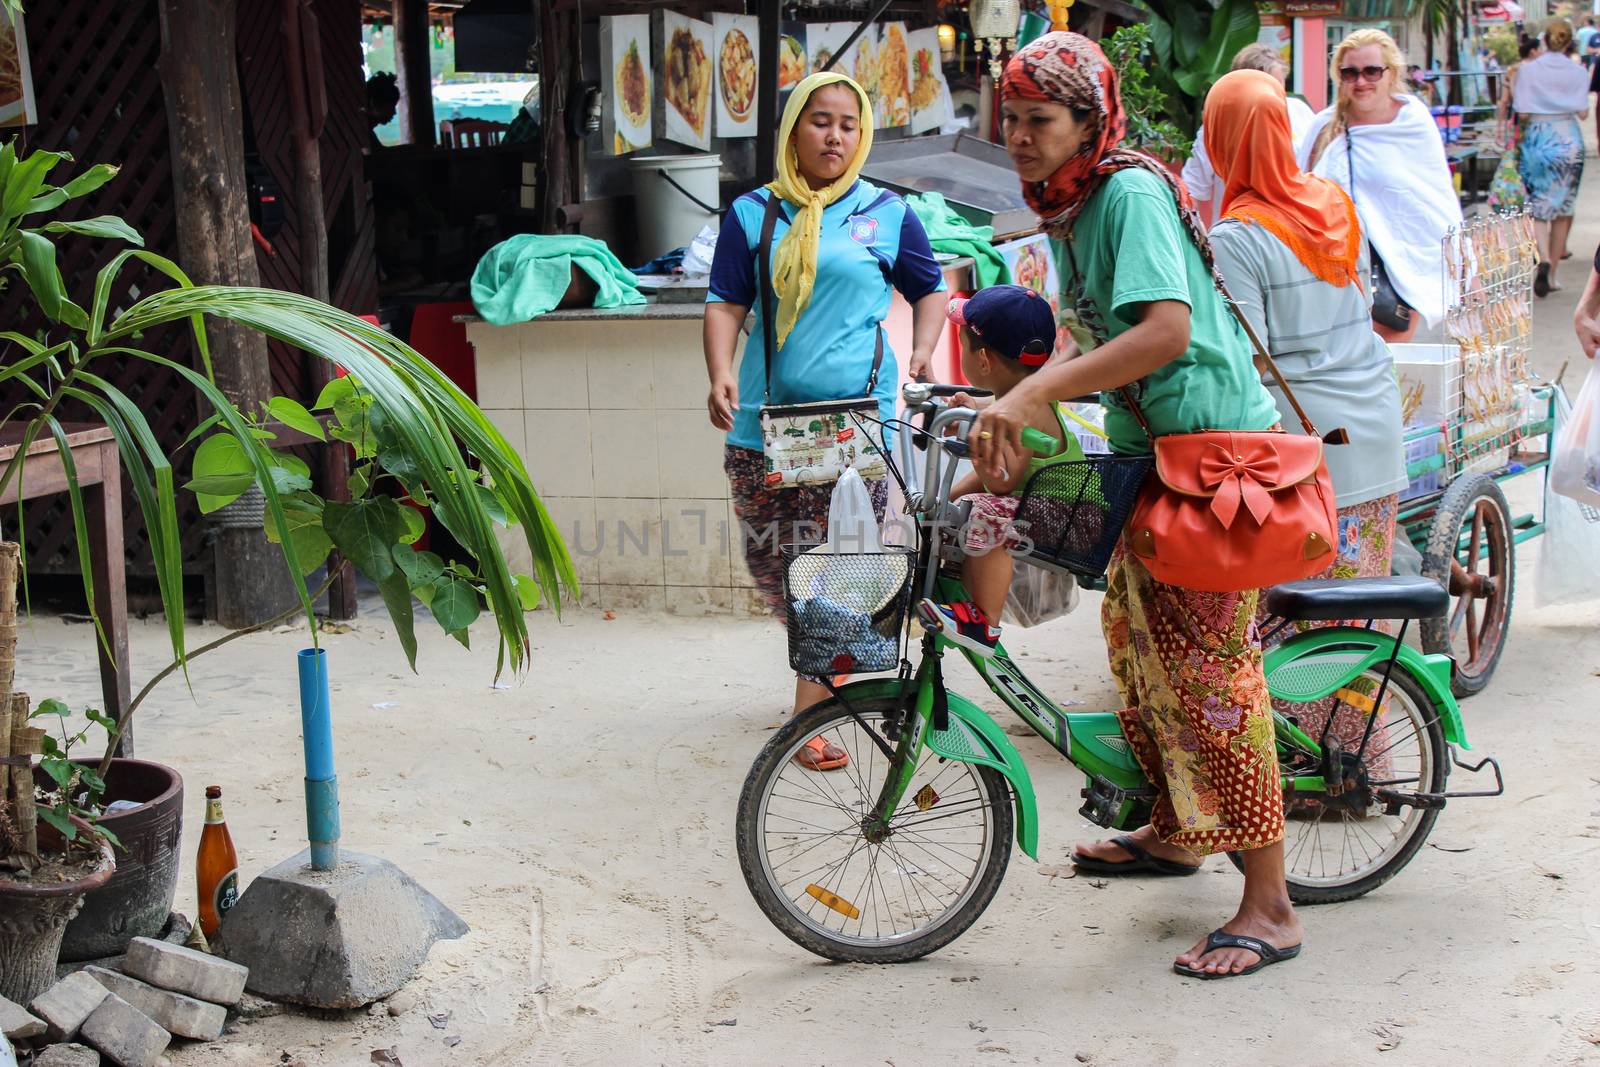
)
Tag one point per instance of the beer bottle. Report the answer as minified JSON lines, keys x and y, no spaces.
{"x":216,"y":866}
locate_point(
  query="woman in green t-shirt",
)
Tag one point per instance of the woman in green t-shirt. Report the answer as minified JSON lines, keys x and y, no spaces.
{"x":1145,"y":309}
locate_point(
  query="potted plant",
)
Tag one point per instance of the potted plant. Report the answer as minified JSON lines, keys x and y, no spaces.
{"x":1147,"y":107}
{"x":419,"y":443}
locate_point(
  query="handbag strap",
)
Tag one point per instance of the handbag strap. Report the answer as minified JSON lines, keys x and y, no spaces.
{"x":769,"y":223}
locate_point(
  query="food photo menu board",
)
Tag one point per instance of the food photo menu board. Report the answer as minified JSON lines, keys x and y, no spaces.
{"x":684,"y":79}
{"x":894,"y":76}
{"x":736,"y":37}
{"x":17,"y":106}
{"x":930,"y":93}
{"x":629,"y":84}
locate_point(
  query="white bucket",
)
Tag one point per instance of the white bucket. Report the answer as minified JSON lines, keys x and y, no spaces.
{"x":667,"y":216}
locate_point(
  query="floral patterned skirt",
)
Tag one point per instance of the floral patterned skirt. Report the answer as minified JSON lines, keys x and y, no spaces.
{"x":772,"y":518}
{"x":1188,"y":667}
{"x":1550,"y":159}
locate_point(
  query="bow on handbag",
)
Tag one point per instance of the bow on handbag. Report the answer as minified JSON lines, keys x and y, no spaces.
{"x":1240,"y":477}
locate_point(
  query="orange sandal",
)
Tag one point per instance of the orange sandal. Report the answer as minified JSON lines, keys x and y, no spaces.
{"x":814,"y":756}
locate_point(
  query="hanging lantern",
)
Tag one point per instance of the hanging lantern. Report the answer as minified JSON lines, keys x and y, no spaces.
{"x":994,"y":27}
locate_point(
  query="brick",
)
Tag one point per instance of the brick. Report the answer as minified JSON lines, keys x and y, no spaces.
{"x":16,"y":1023}
{"x":184,"y":970}
{"x":125,"y":1034}
{"x":67,"y":1056}
{"x":180,"y":1015}
{"x":65,"y":1005}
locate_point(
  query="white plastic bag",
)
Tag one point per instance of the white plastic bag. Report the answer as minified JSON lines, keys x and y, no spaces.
{"x":1038,"y":595}
{"x":852,"y":526}
{"x":1571,"y":540}
{"x":697,"y":257}
{"x":1575,"y":467}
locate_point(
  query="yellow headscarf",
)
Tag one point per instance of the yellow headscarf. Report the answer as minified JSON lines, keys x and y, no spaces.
{"x":795,"y":269}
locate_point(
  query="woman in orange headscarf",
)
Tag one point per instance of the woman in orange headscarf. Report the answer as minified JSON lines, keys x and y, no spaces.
{"x":1290,"y":248}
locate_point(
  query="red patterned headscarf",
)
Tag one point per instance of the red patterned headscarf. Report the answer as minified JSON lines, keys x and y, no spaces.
{"x":1069,"y":69}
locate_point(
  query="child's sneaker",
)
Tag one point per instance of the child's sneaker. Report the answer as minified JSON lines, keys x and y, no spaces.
{"x":962,"y":624}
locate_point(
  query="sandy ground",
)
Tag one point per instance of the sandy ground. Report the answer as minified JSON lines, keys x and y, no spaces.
{"x":581,"y":821}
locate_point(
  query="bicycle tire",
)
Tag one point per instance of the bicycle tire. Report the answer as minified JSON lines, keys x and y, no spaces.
{"x":1454,"y":512}
{"x":1302,"y":893}
{"x":815,"y":721}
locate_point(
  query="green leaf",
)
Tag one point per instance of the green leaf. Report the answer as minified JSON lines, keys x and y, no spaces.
{"x":36,"y":256}
{"x":221,"y":472}
{"x":1235,"y":24}
{"x":397,"y":598}
{"x":60,"y":768}
{"x":360,"y":481}
{"x":100,"y":718}
{"x":421,"y":569}
{"x":25,"y":182}
{"x":289,"y":481}
{"x":51,"y":706}
{"x":82,"y":185}
{"x":311,"y":541}
{"x":57,"y":817}
{"x":91,"y":780}
{"x":116,"y":842}
{"x":492,"y":505}
{"x":293,"y":415}
{"x":528,"y":592}
{"x":334,"y":392}
{"x":100,"y":226}
{"x":455,"y":604}
{"x":415,"y":525}
{"x":399,"y":464}
{"x":366,"y":531}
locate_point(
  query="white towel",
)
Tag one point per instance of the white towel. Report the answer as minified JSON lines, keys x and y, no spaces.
{"x":1404,"y":195}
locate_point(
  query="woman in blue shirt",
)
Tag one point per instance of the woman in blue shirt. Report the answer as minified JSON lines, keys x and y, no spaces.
{"x":839,"y":247}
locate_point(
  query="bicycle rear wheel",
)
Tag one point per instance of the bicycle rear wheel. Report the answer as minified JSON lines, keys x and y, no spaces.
{"x":1342,"y":847}
{"x":814,"y":872}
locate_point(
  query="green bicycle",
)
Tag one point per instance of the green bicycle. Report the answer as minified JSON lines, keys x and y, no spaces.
{"x":897,"y":854}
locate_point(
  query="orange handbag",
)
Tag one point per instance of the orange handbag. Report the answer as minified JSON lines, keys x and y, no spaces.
{"x":1230,"y":510}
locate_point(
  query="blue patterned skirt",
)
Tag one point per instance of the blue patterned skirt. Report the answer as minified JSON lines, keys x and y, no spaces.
{"x":1550,"y":158}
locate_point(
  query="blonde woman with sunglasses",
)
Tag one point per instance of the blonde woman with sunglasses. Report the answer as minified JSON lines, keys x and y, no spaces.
{"x":1381,"y":145}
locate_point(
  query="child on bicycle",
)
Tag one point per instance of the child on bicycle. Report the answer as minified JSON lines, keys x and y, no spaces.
{"x":1007,"y":333}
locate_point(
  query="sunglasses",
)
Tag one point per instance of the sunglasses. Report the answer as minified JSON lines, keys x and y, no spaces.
{"x":1349,"y":75}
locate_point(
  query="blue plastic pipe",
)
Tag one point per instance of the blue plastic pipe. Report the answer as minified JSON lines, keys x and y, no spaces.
{"x":322,"y":785}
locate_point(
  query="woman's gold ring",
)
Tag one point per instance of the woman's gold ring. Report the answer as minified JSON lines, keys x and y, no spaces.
{"x":984,"y":435}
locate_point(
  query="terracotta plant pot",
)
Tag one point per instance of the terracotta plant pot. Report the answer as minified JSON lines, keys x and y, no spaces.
{"x":33,"y":917}
{"x":138,"y":899}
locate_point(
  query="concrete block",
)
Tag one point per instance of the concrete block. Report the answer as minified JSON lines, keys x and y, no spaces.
{"x":67,"y":1056}
{"x":334,"y":939}
{"x":184,"y":970}
{"x":180,"y":1015}
{"x":125,"y":1034}
{"x":65,"y":1005}
{"x":16,"y":1023}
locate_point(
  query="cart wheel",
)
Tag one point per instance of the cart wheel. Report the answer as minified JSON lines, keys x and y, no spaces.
{"x":1472,"y":553}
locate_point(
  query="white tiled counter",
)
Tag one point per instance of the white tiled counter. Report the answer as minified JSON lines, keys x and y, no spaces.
{"x":608,"y":409}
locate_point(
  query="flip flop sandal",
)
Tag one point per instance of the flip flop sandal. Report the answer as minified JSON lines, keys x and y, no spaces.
{"x":1141,"y":863}
{"x":1541,"y":281}
{"x":1220,"y":938}
{"x":819,"y":762}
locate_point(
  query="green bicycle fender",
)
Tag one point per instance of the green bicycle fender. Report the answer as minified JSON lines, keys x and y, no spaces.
{"x":1313,"y":664}
{"x":973,"y":737}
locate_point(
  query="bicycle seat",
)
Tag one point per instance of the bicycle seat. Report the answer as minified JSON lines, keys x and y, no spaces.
{"x":1333,"y":599}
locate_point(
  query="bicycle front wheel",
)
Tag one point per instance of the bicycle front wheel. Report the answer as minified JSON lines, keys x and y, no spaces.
{"x":1342,"y":847}
{"x":851,"y":896}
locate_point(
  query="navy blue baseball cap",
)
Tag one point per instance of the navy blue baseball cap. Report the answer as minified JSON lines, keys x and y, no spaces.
{"x":1012,"y":320}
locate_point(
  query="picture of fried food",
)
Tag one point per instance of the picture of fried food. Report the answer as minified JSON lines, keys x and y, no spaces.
{"x":10,"y":66}
{"x":892,"y":67}
{"x":924,"y":79}
{"x":633,"y":88}
{"x":737,"y":67}
{"x":689,"y":78}
{"x":791,"y":62}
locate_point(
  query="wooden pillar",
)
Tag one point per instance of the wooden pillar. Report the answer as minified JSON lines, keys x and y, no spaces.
{"x":558,"y":52}
{"x":308,"y":105}
{"x":199,"y":76}
{"x":771,"y":12}
{"x":413,"y":59}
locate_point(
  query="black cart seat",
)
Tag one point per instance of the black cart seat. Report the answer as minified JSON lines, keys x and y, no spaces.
{"x":1333,"y":599}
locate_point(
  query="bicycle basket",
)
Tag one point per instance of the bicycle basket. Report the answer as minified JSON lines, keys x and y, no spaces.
{"x":846,"y":610}
{"x":1075,"y":511}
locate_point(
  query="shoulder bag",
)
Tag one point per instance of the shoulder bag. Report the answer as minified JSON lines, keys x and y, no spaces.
{"x":813,"y":443}
{"x":1387,"y":307}
{"x":1230,"y":510}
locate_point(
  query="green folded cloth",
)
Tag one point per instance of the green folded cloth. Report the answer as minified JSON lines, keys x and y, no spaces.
{"x":524,"y":276}
{"x":949,"y":232}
